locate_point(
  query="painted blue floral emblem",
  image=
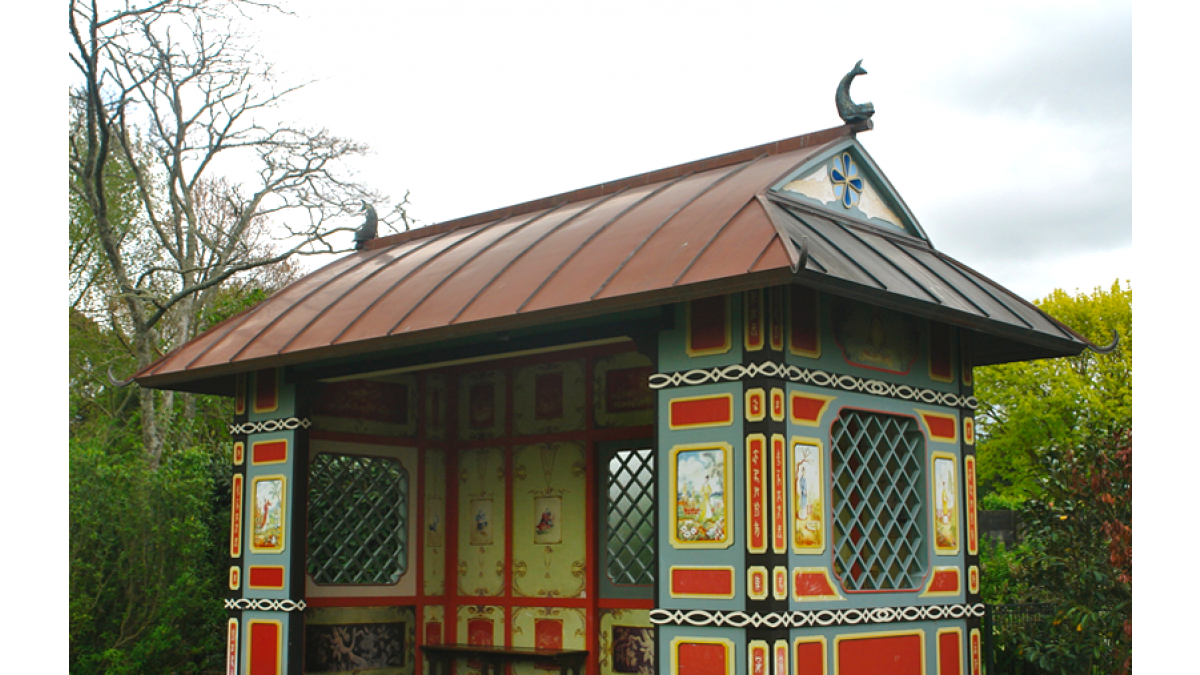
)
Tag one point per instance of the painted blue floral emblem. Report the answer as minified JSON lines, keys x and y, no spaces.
{"x":847,"y":184}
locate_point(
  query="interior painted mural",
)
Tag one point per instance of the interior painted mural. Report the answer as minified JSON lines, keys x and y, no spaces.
{"x":502,"y":469}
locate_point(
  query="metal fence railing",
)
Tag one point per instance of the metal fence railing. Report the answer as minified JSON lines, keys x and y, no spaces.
{"x":1004,"y":626}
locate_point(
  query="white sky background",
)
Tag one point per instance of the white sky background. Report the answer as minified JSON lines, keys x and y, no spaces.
{"x":1006,"y":129}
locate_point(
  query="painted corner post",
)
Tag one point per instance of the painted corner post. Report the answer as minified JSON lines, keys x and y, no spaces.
{"x":969,"y":496}
{"x":265,"y":594}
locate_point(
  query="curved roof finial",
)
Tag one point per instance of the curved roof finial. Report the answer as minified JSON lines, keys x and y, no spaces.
{"x":848,"y":110}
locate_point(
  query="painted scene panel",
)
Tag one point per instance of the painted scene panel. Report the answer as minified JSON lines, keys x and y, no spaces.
{"x":267,"y":535}
{"x":945,"y":509}
{"x":808,"y":528}
{"x":701,"y":486}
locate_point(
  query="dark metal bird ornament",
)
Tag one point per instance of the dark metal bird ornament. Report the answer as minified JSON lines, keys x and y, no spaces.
{"x":848,"y":110}
{"x":368,"y":230}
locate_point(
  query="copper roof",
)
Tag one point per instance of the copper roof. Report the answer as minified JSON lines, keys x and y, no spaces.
{"x":684,"y":232}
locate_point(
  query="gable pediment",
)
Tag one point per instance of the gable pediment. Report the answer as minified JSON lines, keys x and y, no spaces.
{"x":846,"y":181}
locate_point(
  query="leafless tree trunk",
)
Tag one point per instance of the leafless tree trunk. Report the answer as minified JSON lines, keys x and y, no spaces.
{"x":171,"y":89}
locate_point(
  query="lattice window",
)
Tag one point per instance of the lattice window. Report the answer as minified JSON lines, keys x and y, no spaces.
{"x":879,"y":516}
{"x":357,"y":520}
{"x":630,"y":532}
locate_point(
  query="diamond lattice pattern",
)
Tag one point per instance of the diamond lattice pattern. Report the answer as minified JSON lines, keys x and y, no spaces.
{"x":878,"y":509}
{"x":358,"y":520}
{"x":630,"y":517}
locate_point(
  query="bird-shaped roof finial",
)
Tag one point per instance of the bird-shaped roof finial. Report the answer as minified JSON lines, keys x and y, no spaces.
{"x":368,"y":230}
{"x":848,"y":110}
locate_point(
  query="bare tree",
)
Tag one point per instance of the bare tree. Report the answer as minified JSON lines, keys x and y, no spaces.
{"x":171,"y":91}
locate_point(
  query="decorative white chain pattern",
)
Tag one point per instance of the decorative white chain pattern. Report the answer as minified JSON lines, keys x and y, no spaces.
{"x":265,"y":605}
{"x":822,"y":618}
{"x":818,"y":378}
{"x":267,"y":426}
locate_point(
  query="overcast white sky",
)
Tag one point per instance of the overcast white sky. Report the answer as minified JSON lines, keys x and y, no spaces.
{"x":1007,"y":129}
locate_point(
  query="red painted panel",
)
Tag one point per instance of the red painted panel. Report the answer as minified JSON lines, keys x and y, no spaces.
{"x":699,"y":658}
{"x":479,"y":632}
{"x":776,"y":300}
{"x":269,"y":451}
{"x":698,"y":411}
{"x":940,"y":364}
{"x":944,"y":581}
{"x":810,"y":658}
{"x":779,"y":521}
{"x":707,"y":327}
{"x":806,"y":408}
{"x":812,"y":584}
{"x":433,"y":633}
{"x":759,"y":660}
{"x":892,"y":655}
{"x":547,"y":634}
{"x":949,"y":654}
{"x":264,"y":648}
{"x":757,"y":473}
{"x":235,"y":519}
{"x":266,"y":577}
{"x":693,"y":581}
{"x":805,"y":337}
{"x":941,"y":427}
{"x":265,"y":398}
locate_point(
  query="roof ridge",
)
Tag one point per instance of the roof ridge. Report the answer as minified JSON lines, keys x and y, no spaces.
{"x":602,"y":189}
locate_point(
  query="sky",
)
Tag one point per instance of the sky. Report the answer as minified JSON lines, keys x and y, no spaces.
{"x":1007,"y":129}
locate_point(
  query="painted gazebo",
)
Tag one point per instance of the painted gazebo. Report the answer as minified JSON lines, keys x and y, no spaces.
{"x":712,"y":419}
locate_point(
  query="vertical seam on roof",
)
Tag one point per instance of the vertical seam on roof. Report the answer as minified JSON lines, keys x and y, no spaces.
{"x":666,"y":220}
{"x":595,"y":234}
{"x":1000,"y":302}
{"x":306,"y":296}
{"x":709,"y":243}
{"x":889,"y":261}
{"x":835,"y":247}
{"x":951,"y":286}
{"x":510,"y":263}
{"x":409,"y":273}
{"x":763,"y":252}
{"x":422,"y":244}
{"x":218,"y":340}
{"x":456,"y":270}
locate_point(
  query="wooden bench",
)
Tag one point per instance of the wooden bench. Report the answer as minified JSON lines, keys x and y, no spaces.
{"x":441,"y":656}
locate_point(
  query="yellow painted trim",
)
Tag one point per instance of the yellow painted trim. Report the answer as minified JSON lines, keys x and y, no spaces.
{"x":766,"y":582}
{"x":779,"y":589}
{"x":250,"y":644}
{"x":764,"y":497}
{"x":233,"y":640}
{"x":823,"y":571}
{"x":792,"y":477}
{"x":819,"y":639}
{"x":237,"y":515}
{"x":252,"y":503}
{"x":750,"y":394}
{"x":973,"y":579}
{"x":699,"y":568}
{"x":971,"y":526}
{"x":958,"y":509}
{"x":975,"y":646}
{"x":779,"y":653}
{"x":766,"y":656}
{"x":803,"y":394}
{"x":777,"y":395}
{"x":703,"y":425}
{"x":727,"y":451}
{"x":235,"y":577}
{"x":730,"y":651}
{"x":968,"y":432}
{"x":687,"y":329}
{"x":938,"y":647}
{"x":838,"y":640}
{"x":926,"y":415}
{"x":779,"y":512}
{"x":239,"y":453}
{"x":942,"y":594}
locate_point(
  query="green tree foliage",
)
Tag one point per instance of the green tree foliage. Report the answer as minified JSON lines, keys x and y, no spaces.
{"x":146,"y":568}
{"x":1056,"y":443}
{"x":1028,"y":408}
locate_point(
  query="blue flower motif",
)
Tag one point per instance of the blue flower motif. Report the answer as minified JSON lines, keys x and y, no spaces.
{"x":847,"y":185}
